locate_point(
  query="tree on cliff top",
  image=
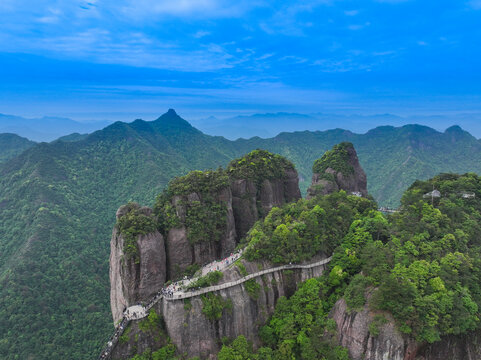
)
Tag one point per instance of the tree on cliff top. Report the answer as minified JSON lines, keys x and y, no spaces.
{"x":259,"y":165}
{"x":337,"y":159}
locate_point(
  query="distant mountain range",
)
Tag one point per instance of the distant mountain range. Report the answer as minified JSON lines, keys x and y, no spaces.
{"x":271,"y":124}
{"x":58,"y":203}
{"x":265,"y":125}
{"x":46,"y":128}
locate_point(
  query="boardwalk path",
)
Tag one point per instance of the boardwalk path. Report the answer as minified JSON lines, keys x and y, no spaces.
{"x":137,"y":312}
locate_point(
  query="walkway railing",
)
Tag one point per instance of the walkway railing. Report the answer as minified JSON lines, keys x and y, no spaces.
{"x":107,"y":351}
{"x":244,"y":279}
{"x":114,"y":339}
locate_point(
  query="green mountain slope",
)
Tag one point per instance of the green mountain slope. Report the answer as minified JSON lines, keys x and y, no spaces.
{"x":12,"y":145}
{"x":58,"y":203}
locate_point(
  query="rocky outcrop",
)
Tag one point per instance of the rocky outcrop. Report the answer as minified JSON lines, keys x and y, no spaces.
{"x":195,"y":335}
{"x":182,"y":251}
{"x":135,"y":278}
{"x":353,"y":332}
{"x":252,"y":202}
{"x":209,"y":212}
{"x":463,"y":347}
{"x":338,"y":169}
{"x":202,"y":217}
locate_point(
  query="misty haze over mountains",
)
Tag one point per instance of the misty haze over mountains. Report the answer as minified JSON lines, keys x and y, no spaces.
{"x":46,"y":128}
{"x":270,"y":124}
{"x":265,"y":125}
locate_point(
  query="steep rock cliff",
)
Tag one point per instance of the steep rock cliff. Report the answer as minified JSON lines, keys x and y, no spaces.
{"x":205,"y":213}
{"x":259,"y":181}
{"x":338,"y":169}
{"x":463,"y":347}
{"x":355,"y":332}
{"x":136,"y":273}
{"x":196,"y":335}
{"x":211,"y":235}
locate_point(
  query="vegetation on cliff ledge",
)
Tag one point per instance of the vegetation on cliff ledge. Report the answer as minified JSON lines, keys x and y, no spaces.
{"x":336,"y":159}
{"x":198,"y":182}
{"x":259,"y":165}
{"x":298,"y":231}
{"x":133,"y":223}
{"x":210,"y":279}
{"x":422,"y":265}
{"x":199,"y":194}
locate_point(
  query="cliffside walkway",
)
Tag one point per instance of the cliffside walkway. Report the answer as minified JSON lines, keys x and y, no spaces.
{"x":137,"y":312}
{"x":226,"y":285}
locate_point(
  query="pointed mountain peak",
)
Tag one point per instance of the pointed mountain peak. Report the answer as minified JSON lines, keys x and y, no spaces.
{"x":171,"y":120}
{"x":171,"y":116}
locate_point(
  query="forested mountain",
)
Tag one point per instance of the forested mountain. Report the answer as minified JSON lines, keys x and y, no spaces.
{"x":404,"y":286}
{"x":58,"y":203}
{"x":12,"y":145}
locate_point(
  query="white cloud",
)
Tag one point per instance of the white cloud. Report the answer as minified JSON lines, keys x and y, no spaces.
{"x":190,"y":8}
{"x":285,"y":20}
{"x":133,"y":49}
{"x":52,"y":17}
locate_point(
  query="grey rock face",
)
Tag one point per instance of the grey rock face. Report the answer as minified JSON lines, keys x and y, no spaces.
{"x":195,"y":335}
{"x":355,"y":182}
{"x":244,"y":204}
{"x":463,"y":347}
{"x":132,"y":281}
{"x":250,"y":202}
{"x":181,"y":253}
{"x":353,"y":333}
{"x":118,"y":299}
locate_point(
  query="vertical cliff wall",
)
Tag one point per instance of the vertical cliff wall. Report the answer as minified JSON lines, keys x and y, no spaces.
{"x":367,"y":338}
{"x":137,"y":260}
{"x":205,"y":229}
{"x":244,"y":312}
{"x":260,"y":181}
{"x":338,"y":169}
{"x":199,"y":218}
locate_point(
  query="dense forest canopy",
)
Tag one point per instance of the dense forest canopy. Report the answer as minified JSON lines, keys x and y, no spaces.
{"x":58,"y":204}
{"x":422,"y":265}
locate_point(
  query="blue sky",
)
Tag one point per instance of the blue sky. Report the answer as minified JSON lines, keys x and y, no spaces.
{"x":125,"y":59}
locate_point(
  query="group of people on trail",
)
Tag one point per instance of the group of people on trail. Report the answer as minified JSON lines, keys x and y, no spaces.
{"x":217,"y":265}
{"x":171,"y":289}
{"x":118,"y":331}
{"x":166,"y":291}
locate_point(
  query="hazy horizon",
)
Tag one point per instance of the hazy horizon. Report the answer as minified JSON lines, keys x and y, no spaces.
{"x":265,"y":125}
{"x":104,"y":60}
